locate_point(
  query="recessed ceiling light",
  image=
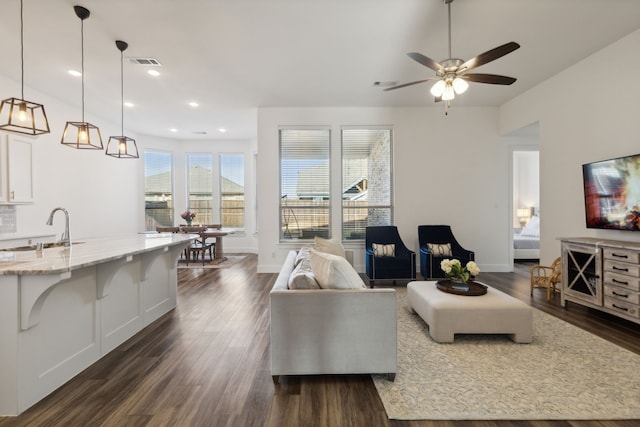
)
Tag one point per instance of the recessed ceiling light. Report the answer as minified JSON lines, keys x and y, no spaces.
{"x":173,"y":130}
{"x":193,"y":104}
{"x":154,"y":73}
{"x":129,"y":104}
{"x":74,"y":73}
{"x":222,"y":130}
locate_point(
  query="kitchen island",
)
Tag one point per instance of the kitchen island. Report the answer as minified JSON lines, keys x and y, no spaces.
{"x":63,"y":308}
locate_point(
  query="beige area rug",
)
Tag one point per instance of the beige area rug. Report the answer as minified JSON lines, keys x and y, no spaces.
{"x":565,"y":373}
{"x":229,"y":262}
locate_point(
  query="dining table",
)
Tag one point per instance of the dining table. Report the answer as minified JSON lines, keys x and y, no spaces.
{"x":217,"y":234}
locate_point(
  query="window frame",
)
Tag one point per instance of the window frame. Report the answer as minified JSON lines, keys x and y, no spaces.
{"x":171,"y":209}
{"x":188,"y":162}
{"x":244,"y":191}
{"x":329,"y":204}
{"x":344,"y":209}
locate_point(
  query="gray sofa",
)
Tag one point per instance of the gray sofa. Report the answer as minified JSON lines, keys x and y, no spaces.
{"x":331,"y":331}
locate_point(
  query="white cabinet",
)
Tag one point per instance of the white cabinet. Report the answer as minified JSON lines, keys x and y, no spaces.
{"x":16,"y":177}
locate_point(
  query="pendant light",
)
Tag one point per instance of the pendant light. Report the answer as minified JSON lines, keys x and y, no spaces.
{"x":82,"y":134}
{"x":122,"y":146}
{"x":17,"y":114}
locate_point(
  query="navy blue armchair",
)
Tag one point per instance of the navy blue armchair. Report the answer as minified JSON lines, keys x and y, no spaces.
{"x":385,"y":262}
{"x":438,"y":236}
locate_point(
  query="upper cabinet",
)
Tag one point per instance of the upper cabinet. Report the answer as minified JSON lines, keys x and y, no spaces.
{"x":16,"y":177}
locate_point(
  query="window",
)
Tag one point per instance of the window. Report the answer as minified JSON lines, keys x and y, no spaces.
{"x":200,"y":187}
{"x":232,"y":190}
{"x":366,"y":180}
{"x":158,"y":189}
{"x":304,"y":183}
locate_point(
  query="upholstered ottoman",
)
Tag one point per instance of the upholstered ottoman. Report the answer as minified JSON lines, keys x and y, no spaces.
{"x":448,"y":314}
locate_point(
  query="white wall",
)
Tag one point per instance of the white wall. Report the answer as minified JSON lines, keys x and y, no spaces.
{"x":447,"y":170}
{"x":588,"y":112}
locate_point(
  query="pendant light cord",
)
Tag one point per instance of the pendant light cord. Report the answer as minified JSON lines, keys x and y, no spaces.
{"x":122,"y":93}
{"x":82,"y":62}
{"x":21,"y":50}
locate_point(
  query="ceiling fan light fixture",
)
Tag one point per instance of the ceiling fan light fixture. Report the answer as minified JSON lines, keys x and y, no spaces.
{"x":448,"y":94}
{"x":438,"y":88}
{"x":460,"y":85}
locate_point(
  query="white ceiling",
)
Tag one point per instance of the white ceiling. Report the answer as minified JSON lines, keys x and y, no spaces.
{"x":233,"y":56}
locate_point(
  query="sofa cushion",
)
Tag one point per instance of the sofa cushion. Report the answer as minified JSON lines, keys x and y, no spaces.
{"x":302,"y":276}
{"x":329,"y":246}
{"x":440,"y":249}
{"x":380,"y":250}
{"x":334,"y":272}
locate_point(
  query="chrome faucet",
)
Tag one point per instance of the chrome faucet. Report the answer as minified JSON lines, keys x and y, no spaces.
{"x":66,"y":240}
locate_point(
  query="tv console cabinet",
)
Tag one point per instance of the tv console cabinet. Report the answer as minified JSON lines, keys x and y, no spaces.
{"x":602,"y":274}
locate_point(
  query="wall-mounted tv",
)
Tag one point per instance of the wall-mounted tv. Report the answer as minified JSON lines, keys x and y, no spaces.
{"x":612,"y":193}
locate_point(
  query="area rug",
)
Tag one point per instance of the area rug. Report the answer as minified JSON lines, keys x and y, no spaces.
{"x":229,"y":262}
{"x":565,"y":373}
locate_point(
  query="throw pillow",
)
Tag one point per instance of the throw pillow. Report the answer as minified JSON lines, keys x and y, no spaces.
{"x":532,"y":229}
{"x":334,"y":272}
{"x":302,"y":276}
{"x":303,"y":253}
{"x":440,"y":249}
{"x":329,"y":246}
{"x":380,"y":250}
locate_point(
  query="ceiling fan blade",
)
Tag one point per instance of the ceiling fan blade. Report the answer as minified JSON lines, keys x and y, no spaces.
{"x":427,"y":62}
{"x":410,"y":83}
{"x":493,"y":79}
{"x":488,"y":56}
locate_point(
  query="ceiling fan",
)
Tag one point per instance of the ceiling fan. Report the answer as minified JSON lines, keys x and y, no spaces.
{"x":452,"y":73}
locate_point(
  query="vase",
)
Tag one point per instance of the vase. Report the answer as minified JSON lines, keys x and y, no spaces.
{"x":189,"y":221}
{"x":459,"y":284}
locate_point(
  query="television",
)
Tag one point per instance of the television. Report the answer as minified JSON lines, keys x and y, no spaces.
{"x":612,"y":193}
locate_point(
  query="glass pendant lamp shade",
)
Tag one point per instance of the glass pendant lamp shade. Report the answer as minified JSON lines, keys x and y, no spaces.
{"x":122,"y":146}
{"x":460,"y":85}
{"x":17,"y":114}
{"x":438,"y":88}
{"x":448,"y":93}
{"x":82,"y":135}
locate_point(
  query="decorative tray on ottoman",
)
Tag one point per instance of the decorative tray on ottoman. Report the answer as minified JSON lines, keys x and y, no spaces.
{"x":471,"y":288}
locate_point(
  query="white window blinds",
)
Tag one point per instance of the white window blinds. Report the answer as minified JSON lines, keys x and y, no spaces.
{"x":304,"y":183}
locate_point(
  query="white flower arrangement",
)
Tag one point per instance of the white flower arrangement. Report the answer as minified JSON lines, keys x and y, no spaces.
{"x":454,"y":269}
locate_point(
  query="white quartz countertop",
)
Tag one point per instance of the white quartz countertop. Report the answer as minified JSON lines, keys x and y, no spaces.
{"x":85,"y":252}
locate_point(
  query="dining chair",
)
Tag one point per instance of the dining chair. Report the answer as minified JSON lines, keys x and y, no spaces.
{"x":199,"y":246}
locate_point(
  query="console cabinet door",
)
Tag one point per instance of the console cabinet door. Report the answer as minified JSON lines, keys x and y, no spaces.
{"x":20,"y":171}
{"x":581,"y":270}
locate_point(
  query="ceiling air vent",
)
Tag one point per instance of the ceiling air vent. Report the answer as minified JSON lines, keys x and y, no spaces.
{"x":150,"y":62}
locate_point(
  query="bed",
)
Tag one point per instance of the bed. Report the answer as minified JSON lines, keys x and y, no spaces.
{"x":526,"y":241}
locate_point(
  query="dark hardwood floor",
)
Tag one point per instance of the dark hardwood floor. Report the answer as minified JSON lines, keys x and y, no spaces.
{"x":207,"y":364}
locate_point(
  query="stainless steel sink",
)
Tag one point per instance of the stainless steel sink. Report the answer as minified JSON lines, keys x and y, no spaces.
{"x":34,"y":247}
